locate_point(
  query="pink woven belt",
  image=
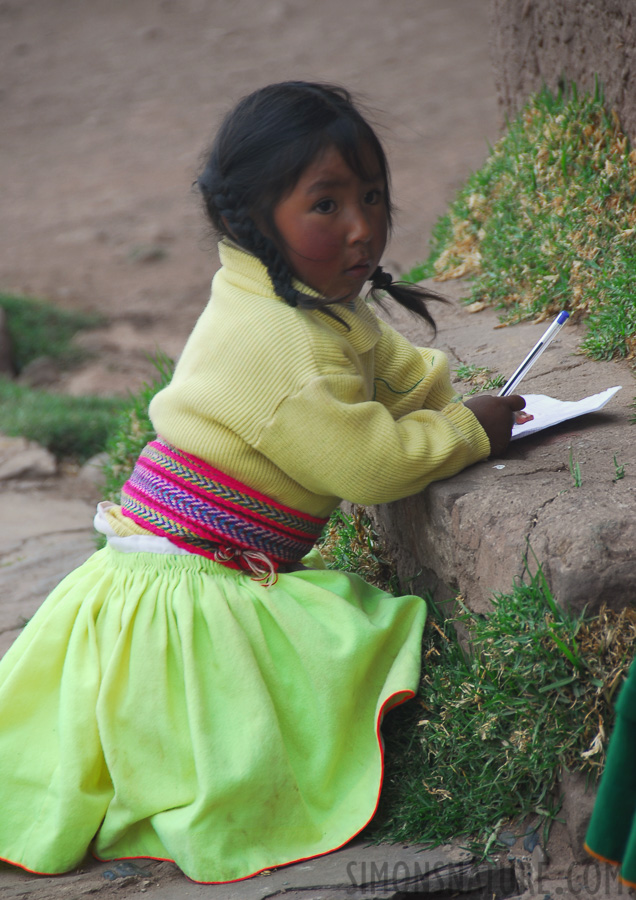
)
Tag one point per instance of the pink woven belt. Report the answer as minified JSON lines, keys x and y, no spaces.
{"x":179,"y":496}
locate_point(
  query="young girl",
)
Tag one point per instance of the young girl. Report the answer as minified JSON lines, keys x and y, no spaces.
{"x":202,"y":690}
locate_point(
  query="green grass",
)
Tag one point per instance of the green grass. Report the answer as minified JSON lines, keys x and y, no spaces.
{"x":37,"y":329}
{"x":70,"y":427}
{"x":575,"y":468}
{"x":480,"y":378}
{"x":619,"y":470}
{"x":483,"y":743}
{"x":549,"y":222}
{"x":349,"y":542}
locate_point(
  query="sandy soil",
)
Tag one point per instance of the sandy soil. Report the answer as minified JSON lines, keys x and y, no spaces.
{"x":106,"y":107}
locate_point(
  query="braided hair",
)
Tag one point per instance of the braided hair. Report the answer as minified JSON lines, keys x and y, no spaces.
{"x":261,"y":150}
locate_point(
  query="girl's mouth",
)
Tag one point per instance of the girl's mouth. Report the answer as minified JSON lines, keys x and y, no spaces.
{"x":360,"y":269}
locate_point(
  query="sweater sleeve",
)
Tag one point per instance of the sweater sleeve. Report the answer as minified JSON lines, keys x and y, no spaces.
{"x":333,"y":441}
{"x":401,"y":375}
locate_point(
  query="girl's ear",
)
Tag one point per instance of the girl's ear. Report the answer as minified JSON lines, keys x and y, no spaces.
{"x":227,"y":228}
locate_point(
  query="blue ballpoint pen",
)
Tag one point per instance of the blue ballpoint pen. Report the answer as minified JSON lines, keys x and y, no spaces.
{"x":534,"y":354}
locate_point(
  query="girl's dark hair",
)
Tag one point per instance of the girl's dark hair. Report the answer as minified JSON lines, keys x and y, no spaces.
{"x":262,"y":148}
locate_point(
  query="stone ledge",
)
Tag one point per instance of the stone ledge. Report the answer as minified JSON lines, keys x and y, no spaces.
{"x":471,"y":533}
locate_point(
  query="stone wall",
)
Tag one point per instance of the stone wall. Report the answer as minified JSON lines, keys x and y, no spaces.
{"x":536,"y":42}
{"x":471,"y":533}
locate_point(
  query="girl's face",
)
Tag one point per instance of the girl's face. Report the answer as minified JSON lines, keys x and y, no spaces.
{"x":333,"y":225}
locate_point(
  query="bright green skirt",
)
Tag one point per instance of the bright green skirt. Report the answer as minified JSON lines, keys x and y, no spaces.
{"x":611,"y":835}
{"x":170,"y":707}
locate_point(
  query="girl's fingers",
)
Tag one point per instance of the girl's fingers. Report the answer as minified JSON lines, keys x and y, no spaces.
{"x":514,"y":402}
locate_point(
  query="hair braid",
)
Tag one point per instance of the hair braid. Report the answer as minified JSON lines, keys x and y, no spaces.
{"x":411,"y":296}
{"x":231,"y":216}
{"x":279,"y":272}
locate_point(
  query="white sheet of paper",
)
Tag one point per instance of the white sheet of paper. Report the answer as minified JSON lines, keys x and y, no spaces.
{"x":547,"y":411}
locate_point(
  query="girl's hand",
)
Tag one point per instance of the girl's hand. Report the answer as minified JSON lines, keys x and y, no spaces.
{"x":496,"y":415}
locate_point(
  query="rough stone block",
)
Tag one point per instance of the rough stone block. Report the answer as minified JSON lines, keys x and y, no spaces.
{"x":20,"y":458}
{"x":537,"y":42}
{"x":473,"y":533}
{"x":578,"y":802}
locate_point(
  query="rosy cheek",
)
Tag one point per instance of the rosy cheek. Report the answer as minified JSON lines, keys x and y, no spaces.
{"x":315,"y":243}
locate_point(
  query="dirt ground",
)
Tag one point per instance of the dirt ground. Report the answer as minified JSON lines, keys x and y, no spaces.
{"x":107,"y":106}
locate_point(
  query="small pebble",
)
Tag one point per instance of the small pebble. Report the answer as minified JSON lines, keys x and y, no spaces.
{"x":530,"y":841}
{"x":507,"y":838}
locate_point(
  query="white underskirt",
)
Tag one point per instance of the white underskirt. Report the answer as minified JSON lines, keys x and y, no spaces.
{"x":133,"y":543}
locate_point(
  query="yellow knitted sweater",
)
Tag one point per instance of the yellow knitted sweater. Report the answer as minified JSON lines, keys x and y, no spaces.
{"x":293,"y":404}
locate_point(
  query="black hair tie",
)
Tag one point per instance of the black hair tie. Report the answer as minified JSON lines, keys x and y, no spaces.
{"x":381,"y":279}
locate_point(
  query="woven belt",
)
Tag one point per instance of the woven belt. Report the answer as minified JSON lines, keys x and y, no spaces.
{"x":179,"y":496}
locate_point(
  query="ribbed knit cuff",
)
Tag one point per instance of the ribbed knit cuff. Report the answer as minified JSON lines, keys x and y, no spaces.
{"x":467,"y":422}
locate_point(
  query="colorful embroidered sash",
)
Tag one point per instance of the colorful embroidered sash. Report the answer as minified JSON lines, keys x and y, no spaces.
{"x":181,"y":497}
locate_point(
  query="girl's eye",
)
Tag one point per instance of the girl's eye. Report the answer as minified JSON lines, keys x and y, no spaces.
{"x":373,"y":197}
{"x":325,"y":206}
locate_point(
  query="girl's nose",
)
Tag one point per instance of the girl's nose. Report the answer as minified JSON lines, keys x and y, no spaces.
{"x":360,"y":229}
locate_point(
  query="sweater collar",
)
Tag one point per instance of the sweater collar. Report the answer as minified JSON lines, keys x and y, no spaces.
{"x":364,"y":329}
